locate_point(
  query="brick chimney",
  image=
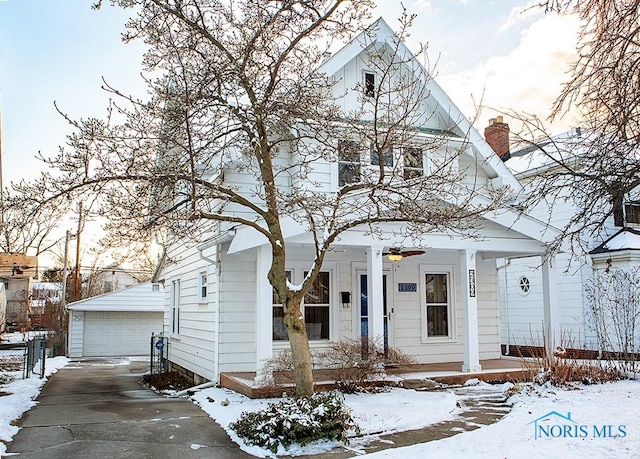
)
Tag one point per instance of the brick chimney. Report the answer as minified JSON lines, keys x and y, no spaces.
{"x":497,"y":136}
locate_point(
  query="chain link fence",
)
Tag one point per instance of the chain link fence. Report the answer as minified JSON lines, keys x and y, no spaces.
{"x":23,"y":359}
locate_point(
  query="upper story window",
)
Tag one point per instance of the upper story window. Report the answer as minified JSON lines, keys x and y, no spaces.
{"x":387,"y":157}
{"x":413,"y":162}
{"x":348,"y":162}
{"x":354,"y":165}
{"x":369,"y":84}
{"x":632,"y":213}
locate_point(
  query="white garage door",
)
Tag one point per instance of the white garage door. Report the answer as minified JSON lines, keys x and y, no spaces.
{"x":119,"y":333}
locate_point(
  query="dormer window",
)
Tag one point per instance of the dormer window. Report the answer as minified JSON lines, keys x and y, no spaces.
{"x":369,"y":84}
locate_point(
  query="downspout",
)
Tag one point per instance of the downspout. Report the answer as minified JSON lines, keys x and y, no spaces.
{"x":216,"y":242}
{"x":506,"y":300}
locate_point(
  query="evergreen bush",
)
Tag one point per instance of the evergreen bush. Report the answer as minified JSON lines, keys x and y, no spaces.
{"x":300,"y":420}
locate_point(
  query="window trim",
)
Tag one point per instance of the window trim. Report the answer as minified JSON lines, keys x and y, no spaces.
{"x":449,"y":270}
{"x":356,"y":165}
{"x":522,"y":280}
{"x":176,"y":297}
{"x":368,"y":87}
{"x":632,"y":207}
{"x":203,"y":286}
{"x":422,"y":171}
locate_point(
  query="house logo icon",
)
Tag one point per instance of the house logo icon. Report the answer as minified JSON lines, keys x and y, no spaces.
{"x":544,"y":424}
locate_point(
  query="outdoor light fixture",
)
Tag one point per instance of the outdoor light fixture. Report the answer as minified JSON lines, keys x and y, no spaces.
{"x":396,"y":254}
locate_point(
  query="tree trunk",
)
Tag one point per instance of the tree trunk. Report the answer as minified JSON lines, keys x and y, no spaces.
{"x":302,"y":369}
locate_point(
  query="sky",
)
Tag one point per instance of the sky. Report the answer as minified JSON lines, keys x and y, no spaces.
{"x":587,"y":421}
{"x":497,"y":52}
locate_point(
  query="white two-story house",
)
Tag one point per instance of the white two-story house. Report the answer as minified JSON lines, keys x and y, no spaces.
{"x":434,"y":296}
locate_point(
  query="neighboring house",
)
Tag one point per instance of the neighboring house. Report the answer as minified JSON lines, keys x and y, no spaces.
{"x":109,"y":279}
{"x":521,"y":282}
{"x":17,"y":273}
{"x":45,"y":304}
{"x":439,"y":306}
{"x":116,"y":324}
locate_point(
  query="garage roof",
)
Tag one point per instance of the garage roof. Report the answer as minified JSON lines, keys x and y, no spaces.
{"x":140,"y":297}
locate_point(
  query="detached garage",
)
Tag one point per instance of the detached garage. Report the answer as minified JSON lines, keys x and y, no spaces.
{"x":119,"y":323}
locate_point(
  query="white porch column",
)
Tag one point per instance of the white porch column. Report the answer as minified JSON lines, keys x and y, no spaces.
{"x":374,"y":293}
{"x":264,"y":308}
{"x":551,"y":326}
{"x":470,"y":345}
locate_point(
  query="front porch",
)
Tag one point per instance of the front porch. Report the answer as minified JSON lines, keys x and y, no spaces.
{"x":493,"y":371}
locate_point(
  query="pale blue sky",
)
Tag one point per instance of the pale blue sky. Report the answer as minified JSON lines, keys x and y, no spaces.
{"x":59,"y":51}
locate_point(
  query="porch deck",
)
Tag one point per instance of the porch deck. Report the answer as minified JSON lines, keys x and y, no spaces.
{"x":494,"y":370}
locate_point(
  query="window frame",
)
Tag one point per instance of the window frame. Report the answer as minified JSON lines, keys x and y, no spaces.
{"x":297,"y":271}
{"x":353,"y":161}
{"x":524,"y":285}
{"x":632,"y":208}
{"x":449,"y":271}
{"x":419,"y":171}
{"x":176,"y":295}
{"x":369,"y":83}
{"x":203,"y":286}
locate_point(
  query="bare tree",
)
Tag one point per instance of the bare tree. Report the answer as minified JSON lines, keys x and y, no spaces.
{"x":597,"y":169}
{"x":25,"y":227}
{"x":237,"y":89}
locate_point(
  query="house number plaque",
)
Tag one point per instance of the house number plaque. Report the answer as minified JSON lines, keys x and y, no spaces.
{"x":407,"y":287}
{"x":472,"y":283}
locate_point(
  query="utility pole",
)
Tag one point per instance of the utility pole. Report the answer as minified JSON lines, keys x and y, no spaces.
{"x":76,"y":274}
{"x":63,"y":299}
{"x":1,"y":182}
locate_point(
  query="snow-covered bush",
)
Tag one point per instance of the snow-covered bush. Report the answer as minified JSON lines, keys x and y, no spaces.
{"x":300,"y":420}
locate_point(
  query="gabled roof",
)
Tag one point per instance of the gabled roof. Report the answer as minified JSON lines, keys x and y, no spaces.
{"x":144,"y":297}
{"x":380,"y":33}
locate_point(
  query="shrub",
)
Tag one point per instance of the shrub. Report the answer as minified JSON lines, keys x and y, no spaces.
{"x":356,"y":362}
{"x":562,"y":370}
{"x":300,"y":420}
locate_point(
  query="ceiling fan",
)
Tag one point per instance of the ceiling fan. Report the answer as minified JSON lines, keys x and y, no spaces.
{"x":397,"y":254}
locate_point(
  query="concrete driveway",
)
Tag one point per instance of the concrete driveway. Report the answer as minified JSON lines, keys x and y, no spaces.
{"x":100,"y":408}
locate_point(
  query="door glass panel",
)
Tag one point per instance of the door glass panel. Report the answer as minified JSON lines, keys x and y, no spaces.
{"x":364,"y":309}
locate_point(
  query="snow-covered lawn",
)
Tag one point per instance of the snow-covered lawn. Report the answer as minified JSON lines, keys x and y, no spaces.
{"x":588,"y":422}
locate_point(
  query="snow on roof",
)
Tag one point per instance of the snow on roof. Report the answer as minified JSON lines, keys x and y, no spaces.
{"x":625,"y":239}
{"x":531,"y":159}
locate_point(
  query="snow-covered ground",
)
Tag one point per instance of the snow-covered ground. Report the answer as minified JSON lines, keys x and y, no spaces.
{"x":590,"y":422}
